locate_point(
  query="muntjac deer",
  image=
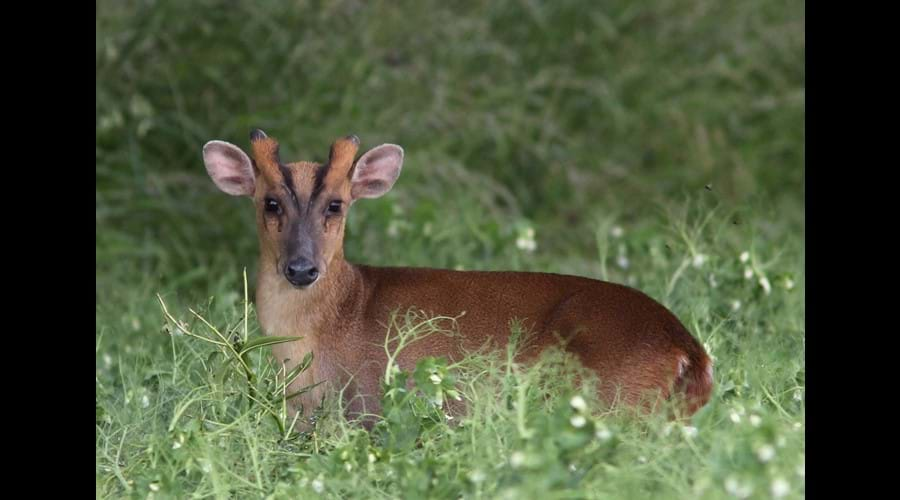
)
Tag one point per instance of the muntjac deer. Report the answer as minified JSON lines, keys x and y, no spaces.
{"x":306,"y":288}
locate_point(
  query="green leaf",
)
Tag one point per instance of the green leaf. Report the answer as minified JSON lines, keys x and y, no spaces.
{"x":293,"y":374}
{"x":265,"y":341}
{"x":211,"y":359}
{"x":304,"y":390}
{"x":223,"y":373}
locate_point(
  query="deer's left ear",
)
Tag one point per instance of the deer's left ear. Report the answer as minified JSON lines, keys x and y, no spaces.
{"x":376,"y":171}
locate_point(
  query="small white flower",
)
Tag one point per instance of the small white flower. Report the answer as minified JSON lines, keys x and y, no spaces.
{"x":797,"y":426}
{"x":176,"y":445}
{"x":145,"y":401}
{"x":107,"y":360}
{"x":318,"y":485}
{"x":517,"y":459}
{"x":616,"y":232}
{"x":766,"y":286}
{"x":622,"y":261}
{"x":603,"y":434}
{"x":154,"y":487}
{"x":689,"y":432}
{"x":393,"y":228}
{"x":798,"y":395}
{"x":435,"y":378}
{"x":765,"y":453}
{"x":748,"y":273}
{"x":699,"y":260}
{"x":789,"y":284}
{"x":755,"y":420}
{"x":578,"y":421}
{"x":745,"y":256}
{"x":525,"y":241}
{"x":738,"y":489}
{"x":780,"y":487}
{"x":667,"y":429}
{"x":371,"y":458}
{"x":642,"y":459}
{"x":578,"y":403}
{"x":735,"y":305}
{"x":348,"y":466}
{"x":525,"y":244}
{"x":735,"y":417}
{"x":205,"y":466}
{"x":476,"y":476}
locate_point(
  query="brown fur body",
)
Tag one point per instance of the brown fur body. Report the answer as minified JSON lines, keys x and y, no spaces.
{"x":633,"y":343}
{"x":306,"y":288}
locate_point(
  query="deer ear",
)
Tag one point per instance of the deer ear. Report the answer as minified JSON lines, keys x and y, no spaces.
{"x":376,"y":171}
{"x":229,"y":168}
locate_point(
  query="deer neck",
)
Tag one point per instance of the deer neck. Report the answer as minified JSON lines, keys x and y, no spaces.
{"x":312,"y":312}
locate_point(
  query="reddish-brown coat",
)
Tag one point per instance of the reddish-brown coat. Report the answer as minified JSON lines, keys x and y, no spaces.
{"x":634,"y":344}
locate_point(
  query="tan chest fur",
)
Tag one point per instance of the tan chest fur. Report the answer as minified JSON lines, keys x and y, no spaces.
{"x":279,"y":315}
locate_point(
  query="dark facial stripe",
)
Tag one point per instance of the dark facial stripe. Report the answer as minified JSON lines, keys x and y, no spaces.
{"x":289,"y":184}
{"x":319,"y":184}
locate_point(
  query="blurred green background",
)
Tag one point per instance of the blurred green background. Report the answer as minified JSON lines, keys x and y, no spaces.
{"x":612,"y":130}
{"x":554,"y":111}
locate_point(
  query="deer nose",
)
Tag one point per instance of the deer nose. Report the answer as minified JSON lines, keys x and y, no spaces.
{"x":301,"y":272}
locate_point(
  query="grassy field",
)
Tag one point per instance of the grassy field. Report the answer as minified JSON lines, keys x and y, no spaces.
{"x":658,"y":144}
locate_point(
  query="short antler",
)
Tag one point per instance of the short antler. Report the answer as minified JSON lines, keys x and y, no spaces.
{"x":265,"y":153}
{"x":343,"y":152}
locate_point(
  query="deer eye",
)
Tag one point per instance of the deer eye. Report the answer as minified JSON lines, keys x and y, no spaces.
{"x":334,"y":207}
{"x":272,"y":206}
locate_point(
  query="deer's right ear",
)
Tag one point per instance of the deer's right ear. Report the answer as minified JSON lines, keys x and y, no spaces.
{"x":229,"y":168}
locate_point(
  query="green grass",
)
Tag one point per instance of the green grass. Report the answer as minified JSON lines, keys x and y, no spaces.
{"x":598,"y":127}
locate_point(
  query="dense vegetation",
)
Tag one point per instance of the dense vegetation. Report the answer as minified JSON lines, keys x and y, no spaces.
{"x":658,"y":144}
